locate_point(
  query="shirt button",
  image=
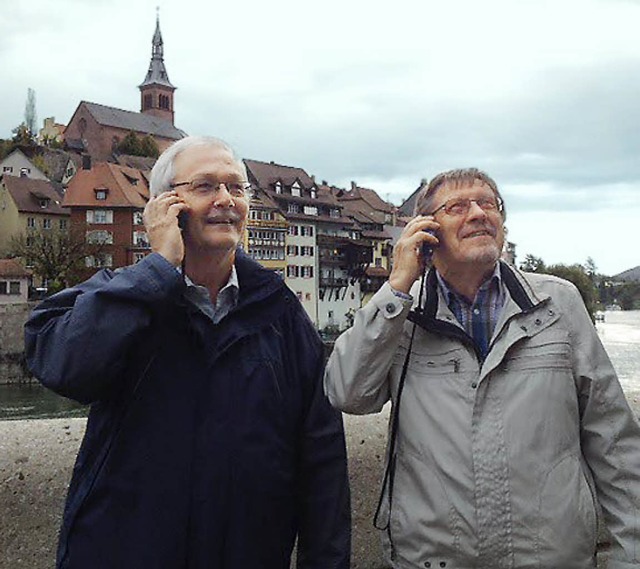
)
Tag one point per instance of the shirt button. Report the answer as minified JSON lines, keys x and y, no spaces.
{"x":474,"y":385}
{"x":427,"y":564}
{"x":390,"y":308}
{"x":476,"y":311}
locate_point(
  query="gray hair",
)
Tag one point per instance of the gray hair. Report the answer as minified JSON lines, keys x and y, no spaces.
{"x":458,"y":177}
{"x":162,"y":172}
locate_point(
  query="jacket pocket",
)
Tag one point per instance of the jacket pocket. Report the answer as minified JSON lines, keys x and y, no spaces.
{"x":567,"y":530}
{"x":537,"y":355}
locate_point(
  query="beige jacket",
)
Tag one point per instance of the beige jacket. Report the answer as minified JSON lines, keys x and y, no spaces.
{"x":501,"y":463}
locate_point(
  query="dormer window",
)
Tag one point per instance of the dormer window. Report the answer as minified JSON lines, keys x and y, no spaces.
{"x":295,"y":190}
{"x":314,"y":194}
{"x":43,"y":203}
{"x":278,"y":187}
{"x":101,"y":193}
{"x":335,"y":213}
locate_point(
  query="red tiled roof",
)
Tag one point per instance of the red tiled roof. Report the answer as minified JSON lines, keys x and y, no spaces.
{"x":376,"y":235}
{"x":126,"y":187}
{"x":12,"y":268}
{"x":267,"y":173}
{"x":370,"y":197}
{"x":27,"y":193}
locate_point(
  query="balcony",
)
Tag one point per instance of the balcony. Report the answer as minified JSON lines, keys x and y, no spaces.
{"x":333,"y":282}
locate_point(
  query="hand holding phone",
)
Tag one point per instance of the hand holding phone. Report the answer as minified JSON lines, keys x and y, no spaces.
{"x":427,"y":246}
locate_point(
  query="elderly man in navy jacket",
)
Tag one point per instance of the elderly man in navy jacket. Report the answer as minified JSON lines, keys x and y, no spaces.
{"x":210,"y":443}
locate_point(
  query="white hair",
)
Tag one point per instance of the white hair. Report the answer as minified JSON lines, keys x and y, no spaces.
{"x":162,"y":172}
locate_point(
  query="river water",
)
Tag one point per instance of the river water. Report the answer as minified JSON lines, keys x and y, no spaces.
{"x":620,"y":334}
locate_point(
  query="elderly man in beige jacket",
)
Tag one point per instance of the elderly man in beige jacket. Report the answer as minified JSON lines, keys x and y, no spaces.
{"x":509,"y":431}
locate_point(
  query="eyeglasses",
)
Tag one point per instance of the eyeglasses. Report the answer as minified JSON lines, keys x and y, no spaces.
{"x":209,"y":187}
{"x":460,"y":206}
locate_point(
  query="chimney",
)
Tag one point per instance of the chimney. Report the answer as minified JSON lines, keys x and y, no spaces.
{"x":86,"y":162}
{"x":353,"y":185}
{"x":324,"y":182}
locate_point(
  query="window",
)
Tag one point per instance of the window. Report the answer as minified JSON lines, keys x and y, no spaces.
{"x":147,"y":102}
{"x":100,"y":216}
{"x":137,"y":257}
{"x":4,"y":287}
{"x":7,"y":169}
{"x":43,"y":202}
{"x":306,"y":230}
{"x":14,"y":287}
{"x":293,"y":230}
{"x":140,"y":239}
{"x":137,"y":218}
{"x":378,"y":262}
{"x":313,"y":193}
{"x":101,"y":194}
{"x":310,"y":210}
{"x":295,"y":190}
{"x":307,"y":272}
{"x":292,"y":249}
{"x":293,"y":208}
{"x":46,"y":223}
{"x":100,"y":236}
{"x":253,"y":214}
{"x":307,"y":296}
{"x":299,"y":295}
{"x":278,"y":187}
{"x":63,"y":224}
{"x":335,"y":213}
{"x":104,"y":260}
{"x":25,"y":171}
{"x":293,"y":271}
{"x":31,"y":222}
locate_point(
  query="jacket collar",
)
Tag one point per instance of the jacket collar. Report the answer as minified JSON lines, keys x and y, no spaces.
{"x":429,"y":318}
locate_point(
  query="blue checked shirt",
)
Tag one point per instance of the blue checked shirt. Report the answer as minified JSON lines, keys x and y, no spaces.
{"x":478,"y":318}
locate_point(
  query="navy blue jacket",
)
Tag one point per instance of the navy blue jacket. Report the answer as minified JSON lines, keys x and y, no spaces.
{"x":207,"y":446}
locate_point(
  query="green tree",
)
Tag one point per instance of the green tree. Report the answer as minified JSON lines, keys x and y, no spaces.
{"x":149,"y":147}
{"x":22,"y":136}
{"x":132,"y":144}
{"x":55,"y":255}
{"x":532,"y":264}
{"x":581,"y":279}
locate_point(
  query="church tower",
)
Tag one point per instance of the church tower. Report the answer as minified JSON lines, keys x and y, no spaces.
{"x":156,"y":91}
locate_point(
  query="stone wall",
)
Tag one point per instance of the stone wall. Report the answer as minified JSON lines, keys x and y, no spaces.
{"x":12,"y":365}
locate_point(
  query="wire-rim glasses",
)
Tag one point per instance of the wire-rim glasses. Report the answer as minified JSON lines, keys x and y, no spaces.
{"x":209,"y":187}
{"x":461,"y":206}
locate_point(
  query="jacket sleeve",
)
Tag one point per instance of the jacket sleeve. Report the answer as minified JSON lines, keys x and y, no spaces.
{"x":324,"y":529}
{"x":356,"y":378}
{"x":77,"y":341}
{"x":610,"y":438}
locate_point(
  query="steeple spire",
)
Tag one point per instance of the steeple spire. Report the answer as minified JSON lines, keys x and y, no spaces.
{"x":157,"y":72}
{"x":157,"y":90}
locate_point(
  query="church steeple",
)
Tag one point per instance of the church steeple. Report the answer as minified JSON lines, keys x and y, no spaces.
{"x":156,"y":91}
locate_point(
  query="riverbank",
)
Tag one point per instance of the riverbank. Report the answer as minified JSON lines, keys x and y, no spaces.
{"x":36,"y":461}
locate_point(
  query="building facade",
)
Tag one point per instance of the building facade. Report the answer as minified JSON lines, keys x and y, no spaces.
{"x":106,"y":202}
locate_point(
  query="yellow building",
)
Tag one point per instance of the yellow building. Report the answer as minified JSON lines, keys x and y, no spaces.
{"x":28,"y":205}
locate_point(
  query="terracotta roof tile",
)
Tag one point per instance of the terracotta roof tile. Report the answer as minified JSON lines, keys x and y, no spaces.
{"x":28,"y":194}
{"x":13,"y":268}
{"x":127,"y":187}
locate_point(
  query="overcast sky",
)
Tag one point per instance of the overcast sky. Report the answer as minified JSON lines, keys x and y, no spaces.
{"x":543,"y":95}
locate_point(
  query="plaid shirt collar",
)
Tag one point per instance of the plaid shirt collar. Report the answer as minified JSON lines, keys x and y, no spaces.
{"x":477,"y":318}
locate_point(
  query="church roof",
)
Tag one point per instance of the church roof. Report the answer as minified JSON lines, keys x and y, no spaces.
{"x":157,"y":74}
{"x":129,"y":120}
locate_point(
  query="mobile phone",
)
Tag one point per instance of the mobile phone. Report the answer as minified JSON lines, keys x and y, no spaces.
{"x":427,"y":247}
{"x":182,"y":220}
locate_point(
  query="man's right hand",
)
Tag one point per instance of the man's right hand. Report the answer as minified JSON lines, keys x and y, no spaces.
{"x":161,"y":221}
{"x":407,"y":258}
